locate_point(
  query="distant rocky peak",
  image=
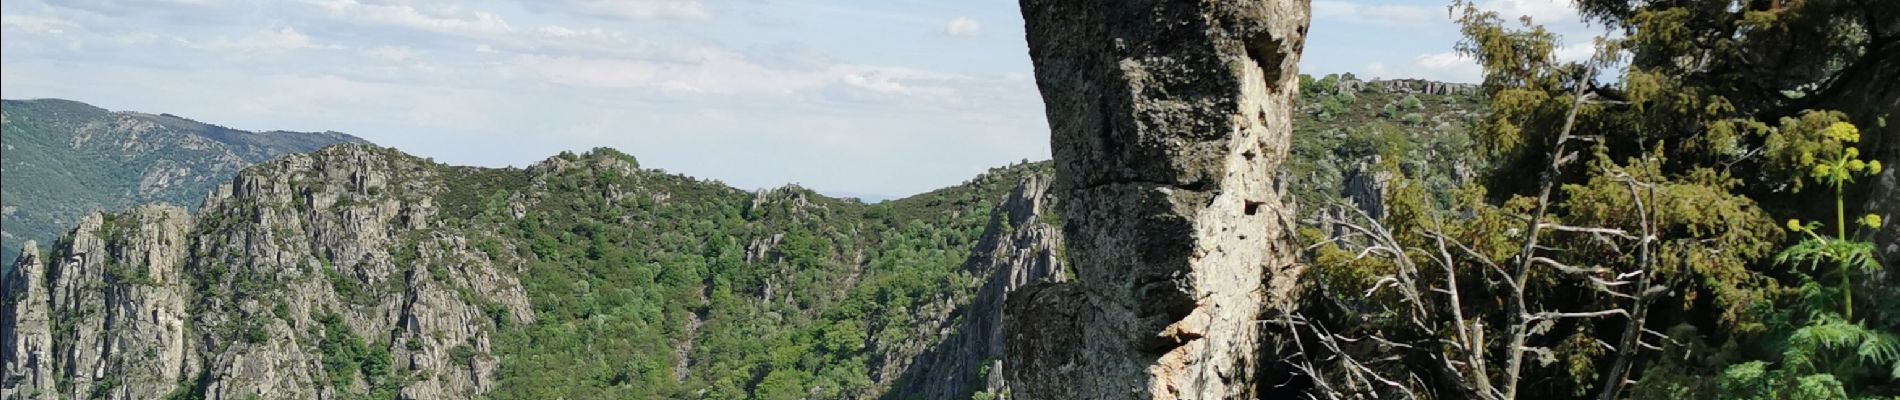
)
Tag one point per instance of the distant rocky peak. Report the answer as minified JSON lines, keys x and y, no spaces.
{"x":1026,"y":203}
{"x":1418,"y":86}
{"x":791,"y":197}
{"x":599,"y":159}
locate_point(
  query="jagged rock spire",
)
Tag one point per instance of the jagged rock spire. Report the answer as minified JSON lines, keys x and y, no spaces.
{"x":1170,"y":119}
{"x":26,"y":347}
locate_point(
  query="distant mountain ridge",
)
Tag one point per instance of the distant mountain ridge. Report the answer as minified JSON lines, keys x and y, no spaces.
{"x":64,"y":159}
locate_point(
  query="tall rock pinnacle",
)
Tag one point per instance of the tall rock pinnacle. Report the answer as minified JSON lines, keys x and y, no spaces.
{"x":1170,"y":120}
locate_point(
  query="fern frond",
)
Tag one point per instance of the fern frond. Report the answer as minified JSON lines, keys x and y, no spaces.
{"x":1818,"y":387}
{"x":1813,"y":252}
{"x":1824,"y":332}
{"x":1814,"y":297}
{"x":1879,"y":348}
{"x":1857,"y":255}
{"x":1827,"y":331}
{"x":1809,"y":252}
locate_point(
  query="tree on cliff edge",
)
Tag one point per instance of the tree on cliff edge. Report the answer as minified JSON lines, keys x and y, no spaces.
{"x":1622,"y":248}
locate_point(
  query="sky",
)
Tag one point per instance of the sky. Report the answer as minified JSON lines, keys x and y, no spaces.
{"x":882,"y":98}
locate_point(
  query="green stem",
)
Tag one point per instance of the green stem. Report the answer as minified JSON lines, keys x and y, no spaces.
{"x":1847,"y":294}
{"x":1840,"y":229}
{"x":1840,"y":215}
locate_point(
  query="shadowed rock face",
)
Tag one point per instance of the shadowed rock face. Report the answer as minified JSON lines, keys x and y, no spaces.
{"x":1018,"y":248}
{"x":26,"y":364}
{"x":1170,"y":120}
{"x":1885,"y":188}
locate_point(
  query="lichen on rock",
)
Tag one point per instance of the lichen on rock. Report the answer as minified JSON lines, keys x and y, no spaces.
{"x":1169,"y":121}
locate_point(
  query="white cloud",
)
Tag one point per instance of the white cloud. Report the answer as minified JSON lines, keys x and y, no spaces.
{"x":874,"y":83}
{"x":36,"y":24}
{"x":1382,"y":14}
{"x":1576,"y":52}
{"x":1447,"y":66}
{"x":559,"y":31}
{"x":624,"y":9}
{"x":1449,"y":59}
{"x":450,"y":20}
{"x":730,"y":73}
{"x":963,"y":26}
{"x":590,"y":39}
{"x":717,"y":74}
{"x":392,"y":53}
{"x":265,"y":41}
{"x":496,"y":35}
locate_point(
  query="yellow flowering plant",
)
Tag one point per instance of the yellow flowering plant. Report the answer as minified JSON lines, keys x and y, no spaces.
{"x":1835,"y":170}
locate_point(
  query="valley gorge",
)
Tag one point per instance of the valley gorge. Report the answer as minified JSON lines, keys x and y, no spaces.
{"x":361,"y":272}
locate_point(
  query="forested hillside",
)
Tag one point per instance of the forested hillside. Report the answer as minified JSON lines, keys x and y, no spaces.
{"x":65,"y":159}
{"x":362,"y":272}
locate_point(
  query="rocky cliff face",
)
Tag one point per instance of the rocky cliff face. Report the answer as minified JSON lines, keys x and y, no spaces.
{"x":284,"y":272}
{"x":105,"y":316}
{"x":28,"y":359}
{"x":1018,"y":248}
{"x":1170,"y":120}
{"x":328,"y":249}
{"x":1364,"y":193}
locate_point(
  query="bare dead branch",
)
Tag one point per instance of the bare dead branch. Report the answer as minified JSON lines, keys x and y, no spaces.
{"x":1551,"y":315}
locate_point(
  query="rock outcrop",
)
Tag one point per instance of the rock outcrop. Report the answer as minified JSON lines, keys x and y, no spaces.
{"x":1421,"y":86}
{"x":105,"y":316}
{"x":340,"y":246}
{"x":282,"y":266}
{"x":1365,"y":188}
{"x":1350,"y":84}
{"x":1170,"y":120}
{"x":1018,"y":248}
{"x":26,"y":364}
